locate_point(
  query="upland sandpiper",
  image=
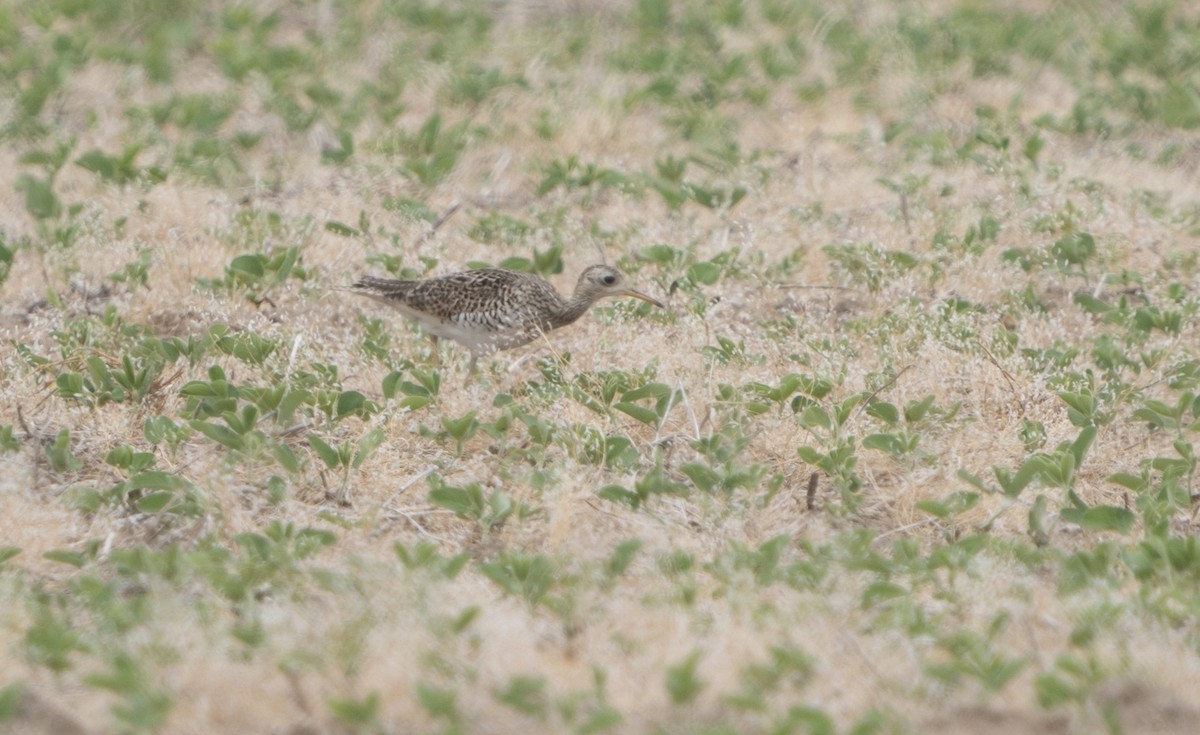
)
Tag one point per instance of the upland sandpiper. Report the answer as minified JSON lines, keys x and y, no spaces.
{"x":494,"y":309}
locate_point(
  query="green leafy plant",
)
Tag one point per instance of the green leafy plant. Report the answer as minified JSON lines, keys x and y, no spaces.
{"x":903,"y":439}
{"x":431,"y":152}
{"x":682,"y":681}
{"x":571,"y":174}
{"x":136,"y":273}
{"x":461,"y":429}
{"x":528,"y":577}
{"x":143,"y":488}
{"x":132,"y":381}
{"x":40,"y":200}
{"x":784,"y":667}
{"x":60,"y":455}
{"x":424,"y":555}
{"x":346,"y":457}
{"x":143,"y":703}
{"x":470,"y":503}
{"x":417,"y":393}
{"x":655,"y":482}
{"x":120,"y":169}
{"x":974,"y":656}
{"x":722,"y":468}
{"x":668,"y":181}
{"x":870,"y":265}
{"x":835,"y":453}
{"x":8,"y":440}
{"x":356,"y":713}
{"x":255,"y":275}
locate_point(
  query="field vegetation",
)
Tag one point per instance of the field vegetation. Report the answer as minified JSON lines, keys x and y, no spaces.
{"x":911,"y":450}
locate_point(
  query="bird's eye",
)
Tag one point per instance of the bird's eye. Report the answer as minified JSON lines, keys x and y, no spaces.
{"x":608,"y":279}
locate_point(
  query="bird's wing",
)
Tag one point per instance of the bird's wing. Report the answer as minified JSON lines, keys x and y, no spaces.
{"x":477,"y":296}
{"x":488,"y":297}
{"x":443,"y":297}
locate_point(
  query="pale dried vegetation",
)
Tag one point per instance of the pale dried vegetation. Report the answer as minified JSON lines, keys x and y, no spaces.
{"x":353,"y":621}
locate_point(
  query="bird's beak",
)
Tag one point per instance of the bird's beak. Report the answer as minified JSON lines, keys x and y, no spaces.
{"x":643,"y":297}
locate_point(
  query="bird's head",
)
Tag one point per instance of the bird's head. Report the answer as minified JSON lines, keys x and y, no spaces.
{"x":604,"y":281}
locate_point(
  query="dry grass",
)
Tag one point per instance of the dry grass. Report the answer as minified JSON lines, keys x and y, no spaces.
{"x":354,"y":621}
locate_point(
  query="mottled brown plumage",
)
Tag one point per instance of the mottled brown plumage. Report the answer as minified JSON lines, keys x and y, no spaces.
{"x":495,"y":309}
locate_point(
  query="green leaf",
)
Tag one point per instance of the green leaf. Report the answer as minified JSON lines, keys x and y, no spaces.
{"x":816,"y":722}
{"x":621,"y":557}
{"x":889,"y":443}
{"x":368,"y":444}
{"x":816,"y":417}
{"x":658,"y":482}
{"x":811,"y":455}
{"x":756,"y":408}
{"x":884,"y":411}
{"x":199,"y":389}
{"x":661,"y":254}
{"x":641,"y":413}
{"x":338,"y":228}
{"x":1081,"y":445}
{"x":220,"y":434}
{"x":878,"y":591}
{"x":701,"y":475}
{"x":1012,"y":485}
{"x":952,"y":505}
{"x":97,"y":162}
{"x":1081,"y":407}
{"x":391,"y":383}
{"x":525,"y":694}
{"x":618,"y":494}
{"x":154,"y":502}
{"x":1136,"y":483}
{"x":157,"y":480}
{"x":522,"y":575}
{"x":10,"y":700}
{"x":973,"y":480}
{"x":286,"y":457}
{"x":462,"y":428}
{"x":464,"y":502}
{"x":414,"y":403}
{"x":1039,"y":523}
{"x":437,"y":702}
{"x":288,"y":404}
{"x":1052,"y":691}
{"x":356,"y":712}
{"x":73,"y":558}
{"x":1101,"y":518}
{"x":682,"y":682}
{"x":500,"y":506}
{"x":329,"y":455}
{"x":649,"y":390}
{"x":40,"y":200}
{"x":703,"y":273}
{"x":120,"y":457}
{"x":100,"y":373}
{"x":844,"y":409}
{"x":249,"y":266}
{"x":1091,"y":304}
{"x":350,"y":402}
{"x":914,"y":411}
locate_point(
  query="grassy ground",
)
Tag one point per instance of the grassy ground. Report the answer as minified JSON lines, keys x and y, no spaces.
{"x":912,"y":450}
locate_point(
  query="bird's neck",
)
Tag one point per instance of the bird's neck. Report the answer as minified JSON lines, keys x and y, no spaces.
{"x":572,"y":308}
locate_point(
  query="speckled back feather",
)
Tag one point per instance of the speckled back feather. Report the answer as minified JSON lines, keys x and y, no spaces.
{"x":487,"y":291}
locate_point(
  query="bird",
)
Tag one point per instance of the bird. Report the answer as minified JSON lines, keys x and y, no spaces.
{"x":491,"y":309}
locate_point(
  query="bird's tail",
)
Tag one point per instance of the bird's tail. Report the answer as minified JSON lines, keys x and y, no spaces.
{"x":385,"y":288}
